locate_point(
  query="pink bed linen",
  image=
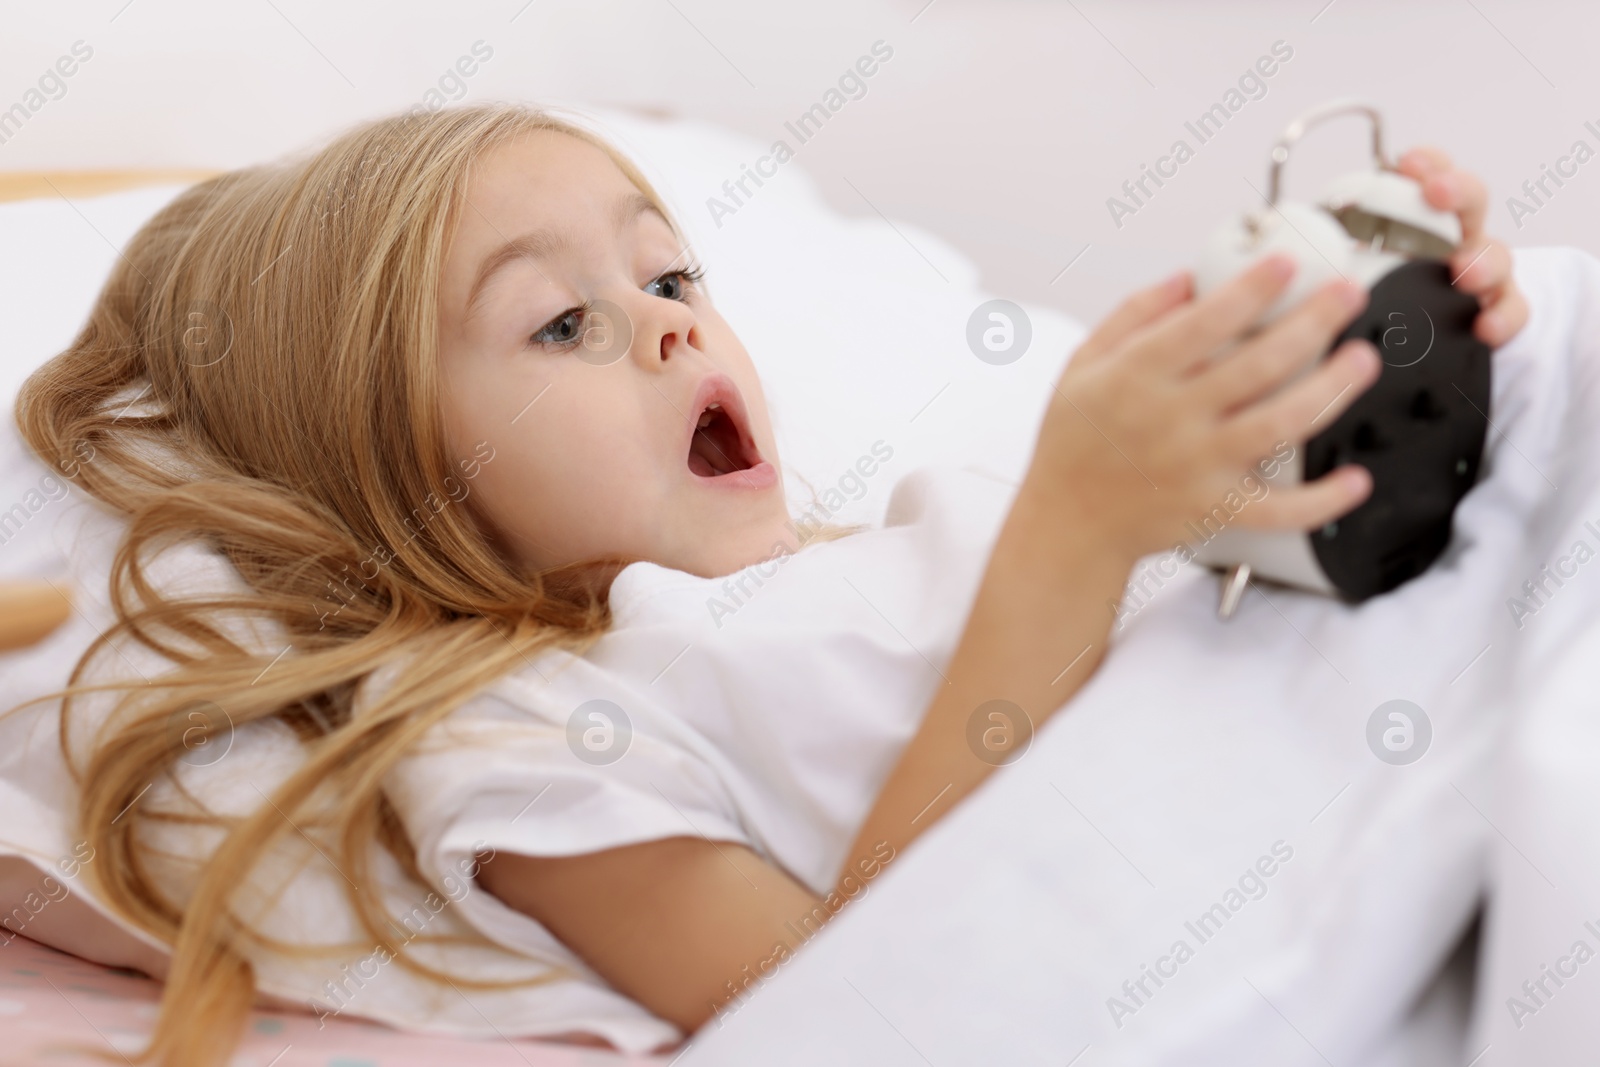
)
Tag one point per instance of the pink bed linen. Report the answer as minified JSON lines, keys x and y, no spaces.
{"x":57,"y":1009}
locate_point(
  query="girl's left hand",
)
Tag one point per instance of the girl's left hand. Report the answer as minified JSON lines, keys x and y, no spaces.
{"x":1482,"y":265}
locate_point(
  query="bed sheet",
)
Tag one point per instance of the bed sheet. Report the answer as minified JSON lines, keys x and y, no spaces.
{"x":60,"y":1010}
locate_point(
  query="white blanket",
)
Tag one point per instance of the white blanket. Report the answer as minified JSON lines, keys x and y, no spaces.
{"x":1539,"y":997}
{"x":1209,"y":809}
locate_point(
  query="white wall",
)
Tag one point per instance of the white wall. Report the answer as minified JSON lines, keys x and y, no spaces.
{"x":1003,"y":126}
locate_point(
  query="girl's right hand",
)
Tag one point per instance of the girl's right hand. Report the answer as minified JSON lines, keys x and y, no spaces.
{"x":1168,"y":405}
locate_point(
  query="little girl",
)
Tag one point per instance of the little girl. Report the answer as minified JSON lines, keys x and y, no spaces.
{"x":451,"y":398}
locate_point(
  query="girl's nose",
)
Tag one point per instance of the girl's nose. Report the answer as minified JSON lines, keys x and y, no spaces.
{"x":663,"y":329}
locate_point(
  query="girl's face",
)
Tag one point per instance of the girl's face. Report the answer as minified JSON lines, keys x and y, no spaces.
{"x":625,"y":416}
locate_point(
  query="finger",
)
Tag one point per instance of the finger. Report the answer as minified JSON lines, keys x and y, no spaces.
{"x":1139,"y":310}
{"x":1446,"y":187}
{"x":1503,"y":317}
{"x":1314,"y":504}
{"x":1462,"y":193}
{"x":1480,"y":266}
{"x":1303,"y":407}
{"x":1262,"y":364}
{"x":1420,"y":162}
{"x":1195,"y":331}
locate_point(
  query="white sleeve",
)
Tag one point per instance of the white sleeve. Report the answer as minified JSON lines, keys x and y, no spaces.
{"x":499,"y":775}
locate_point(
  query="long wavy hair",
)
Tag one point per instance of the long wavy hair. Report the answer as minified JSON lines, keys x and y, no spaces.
{"x":275,"y":329}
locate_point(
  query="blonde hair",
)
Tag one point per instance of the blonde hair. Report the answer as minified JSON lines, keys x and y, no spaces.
{"x":309,"y":428}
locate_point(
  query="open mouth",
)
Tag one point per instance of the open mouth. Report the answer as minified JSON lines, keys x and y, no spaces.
{"x":717,"y":447}
{"x":720,"y":445}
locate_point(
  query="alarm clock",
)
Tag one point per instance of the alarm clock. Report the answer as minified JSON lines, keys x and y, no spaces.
{"x":1419,"y":428}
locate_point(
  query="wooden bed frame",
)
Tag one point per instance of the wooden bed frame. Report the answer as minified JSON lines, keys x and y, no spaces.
{"x":31,"y":610}
{"x":37,"y":184}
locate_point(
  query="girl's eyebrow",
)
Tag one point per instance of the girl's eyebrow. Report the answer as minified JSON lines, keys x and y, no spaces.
{"x":546,"y":243}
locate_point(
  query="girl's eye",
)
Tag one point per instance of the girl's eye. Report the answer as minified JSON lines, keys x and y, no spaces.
{"x":675,"y":284}
{"x":563,"y":330}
